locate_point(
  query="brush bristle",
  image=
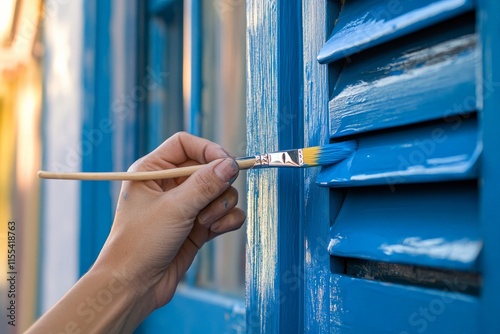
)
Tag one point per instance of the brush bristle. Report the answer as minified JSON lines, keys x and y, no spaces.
{"x":328,"y":154}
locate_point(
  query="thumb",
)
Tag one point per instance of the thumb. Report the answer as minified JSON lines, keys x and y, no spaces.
{"x":205,"y":185}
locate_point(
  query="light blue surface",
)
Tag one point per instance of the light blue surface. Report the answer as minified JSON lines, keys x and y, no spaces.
{"x":402,"y":226}
{"x":363,"y":24}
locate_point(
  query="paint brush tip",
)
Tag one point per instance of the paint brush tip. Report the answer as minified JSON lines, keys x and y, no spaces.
{"x":328,"y":154}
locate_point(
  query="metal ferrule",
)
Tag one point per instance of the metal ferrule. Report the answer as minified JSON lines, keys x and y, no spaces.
{"x":290,"y":158}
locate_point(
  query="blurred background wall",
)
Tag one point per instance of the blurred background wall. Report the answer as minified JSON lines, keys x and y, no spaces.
{"x":94,"y":85}
{"x":21,"y":50}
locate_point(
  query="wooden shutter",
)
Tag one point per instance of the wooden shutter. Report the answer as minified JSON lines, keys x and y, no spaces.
{"x":403,"y":84}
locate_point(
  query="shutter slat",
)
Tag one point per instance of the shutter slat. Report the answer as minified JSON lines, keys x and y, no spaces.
{"x":442,"y":151}
{"x":432,"y":225}
{"x":406,"y":85}
{"x":363,"y":24}
{"x":359,"y":306}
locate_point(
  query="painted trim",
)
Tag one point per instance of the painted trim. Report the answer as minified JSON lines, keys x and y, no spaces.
{"x":316,"y":224}
{"x":197,"y":310}
{"x":96,"y":205}
{"x":274,"y":120}
{"x":489,"y":118}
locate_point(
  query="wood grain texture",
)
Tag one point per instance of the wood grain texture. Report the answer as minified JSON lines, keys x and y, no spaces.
{"x":274,"y":121}
{"x":137,"y":176}
{"x":262,"y":296}
{"x":317,"y":288}
{"x":363,"y":24}
{"x":402,"y":227}
{"x":407,"y":83}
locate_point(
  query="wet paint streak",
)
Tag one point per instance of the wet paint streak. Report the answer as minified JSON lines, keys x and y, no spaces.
{"x":406,"y":85}
{"x":437,"y":152}
{"x":432,"y":225}
{"x":363,"y":24}
{"x":423,"y":310}
{"x":317,"y":288}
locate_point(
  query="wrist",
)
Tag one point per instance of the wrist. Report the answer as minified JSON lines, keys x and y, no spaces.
{"x":115,"y":296}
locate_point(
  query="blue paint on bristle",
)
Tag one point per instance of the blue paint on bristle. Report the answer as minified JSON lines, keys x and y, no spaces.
{"x":332,"y":153}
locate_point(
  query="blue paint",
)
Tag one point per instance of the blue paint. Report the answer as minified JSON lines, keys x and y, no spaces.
{"x":164,"y":104}
{"x":330,"y":154}
{"x":412,"y":82}
{"x":436,"y":152}
{"x":401,"y":227}
{"x":156,"y":96}
{"x":317,"y":203}
{"x":489,"y":120}
{"x":198,"y":311}
{"x":363,"y":24}
{"x":290,"y":131}
{"x":96,"y":204}
{"x":195,"y":125}
{"x":274,"y":122}
{"x":156,"y":6}
{"x":361,"y":306}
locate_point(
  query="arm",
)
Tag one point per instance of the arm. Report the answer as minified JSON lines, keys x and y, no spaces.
{"x":159,"y":227}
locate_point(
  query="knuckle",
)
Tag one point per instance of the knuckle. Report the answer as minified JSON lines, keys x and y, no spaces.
{"x":207,"y":188}
{"x":180,"y":134}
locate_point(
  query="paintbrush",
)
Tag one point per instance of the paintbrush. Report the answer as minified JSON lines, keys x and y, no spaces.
{"x":305,"y":157}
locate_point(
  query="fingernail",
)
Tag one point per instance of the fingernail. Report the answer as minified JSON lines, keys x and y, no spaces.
{"x":215,"y":226}
{"x":226,"y":170}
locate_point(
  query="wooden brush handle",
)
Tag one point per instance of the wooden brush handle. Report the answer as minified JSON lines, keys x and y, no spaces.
{"x":137,"y":176}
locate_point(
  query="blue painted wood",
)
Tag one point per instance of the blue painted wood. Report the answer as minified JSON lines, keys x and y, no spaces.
{"x":157,"y":6}
{"x":290,"y":135}
{"x":262,"y":288}
{"x":414,"y":82}
{"x":273,"y":247}
{"x":156,"y":96}
{"x":165,"y":104}
{"x":361,"y":306}
{"x":436,"y":152}
{"x":363,"y":24}
{"x":197,"y":311}
{"x":195,"y":123}
{"x":319,"y":204}
{"x":489,"y":26}
{"x":96,"y":206}
{"x":401,"y":227}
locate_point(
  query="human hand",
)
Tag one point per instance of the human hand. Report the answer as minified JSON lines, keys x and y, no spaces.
{"x":160,"y":225}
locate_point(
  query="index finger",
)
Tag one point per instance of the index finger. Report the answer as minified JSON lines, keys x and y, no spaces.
{"x":183,"y":147}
